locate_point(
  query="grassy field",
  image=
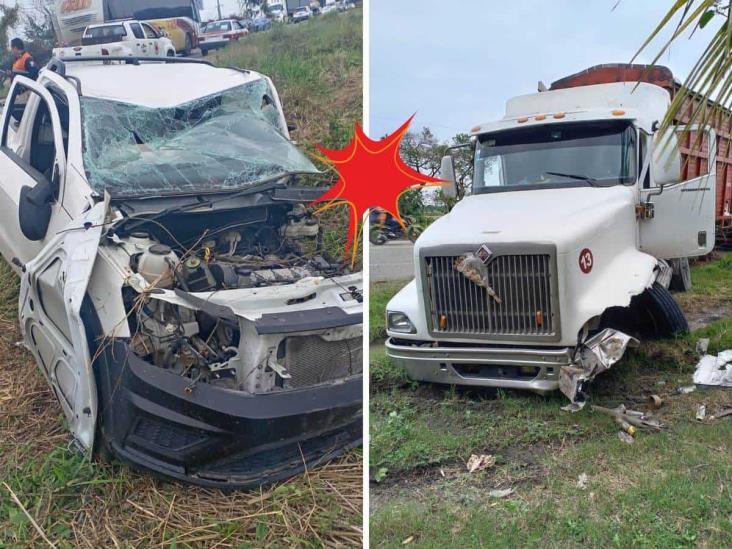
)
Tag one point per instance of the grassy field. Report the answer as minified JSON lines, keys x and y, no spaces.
{"x":671,"y":489}
{"x":77,"y":503}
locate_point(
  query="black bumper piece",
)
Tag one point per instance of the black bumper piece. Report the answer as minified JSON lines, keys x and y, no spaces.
{"x":218,"y":437}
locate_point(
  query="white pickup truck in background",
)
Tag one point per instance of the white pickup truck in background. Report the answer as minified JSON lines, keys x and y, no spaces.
{"x":120,"y":39}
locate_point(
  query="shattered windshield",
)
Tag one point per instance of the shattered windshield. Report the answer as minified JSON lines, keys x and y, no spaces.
{"x":597,"y":154}
{"x":225,"y":141}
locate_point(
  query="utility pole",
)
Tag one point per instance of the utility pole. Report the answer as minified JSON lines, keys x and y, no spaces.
{"x":218,"y":6}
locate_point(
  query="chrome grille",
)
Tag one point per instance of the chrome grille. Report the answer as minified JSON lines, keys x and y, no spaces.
{"x":459,"y":306}
{"x":311,"y":360}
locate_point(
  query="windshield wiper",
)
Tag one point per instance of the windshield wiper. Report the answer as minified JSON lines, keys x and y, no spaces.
{"x":132,"y":222}
{"x":591,"y":180}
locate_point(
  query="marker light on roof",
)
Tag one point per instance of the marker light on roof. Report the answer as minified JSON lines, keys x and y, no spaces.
{"x":523,"y":119}
{"x":540,"y":117}
{"x":559,"y":115}
{"x":475,"y":129}
{"x":618,"y":112}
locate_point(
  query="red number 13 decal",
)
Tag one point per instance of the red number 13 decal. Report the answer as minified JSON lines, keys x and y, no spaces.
{"x":586,"y":261}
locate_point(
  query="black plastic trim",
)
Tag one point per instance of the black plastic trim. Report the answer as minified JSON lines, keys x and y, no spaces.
{"x":206,"y":435}
{"x":303,"y":321}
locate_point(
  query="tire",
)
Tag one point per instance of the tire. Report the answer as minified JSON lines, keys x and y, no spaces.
{"x":189,"y":46}
{"x":170,"y":53}
{"x":204,"y":52}
{"x":651,"y":315}
{"x":662,"y":316}
{"x":681,"y":277}
{"x":376,"y":237}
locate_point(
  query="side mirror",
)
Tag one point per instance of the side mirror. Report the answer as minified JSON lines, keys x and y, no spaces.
{"x":666,"y":162}
{"x":447,"y":173}
{"x":34,"y":213}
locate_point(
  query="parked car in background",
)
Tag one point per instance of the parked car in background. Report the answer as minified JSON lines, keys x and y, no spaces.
{"x":120,"y":39}
{"x":218,"y":34}
{"x":301,"y":14}
{"x":344,"y":5}
{"x":261,"y":24}
{"x":278,"y":13}
{"x":329,"y":6}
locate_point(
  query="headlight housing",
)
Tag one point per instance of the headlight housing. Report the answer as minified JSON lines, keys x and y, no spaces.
{"x":399,"y":322}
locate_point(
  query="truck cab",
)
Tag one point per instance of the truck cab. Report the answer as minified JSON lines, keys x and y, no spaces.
{"x":577,"y":209}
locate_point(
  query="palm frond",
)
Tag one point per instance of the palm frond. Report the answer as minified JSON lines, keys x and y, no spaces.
{"x":705,"y":95}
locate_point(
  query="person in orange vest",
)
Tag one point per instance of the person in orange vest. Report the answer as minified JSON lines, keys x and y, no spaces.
{"x":24,"y":63}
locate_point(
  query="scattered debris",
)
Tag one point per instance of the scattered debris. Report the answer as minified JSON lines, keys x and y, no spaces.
{"x":701,"y":412}
{"x":715,"y":371}
{"x":625,"y":426}
{"x":724,"y":413}
{"x":633,"y":418}
{"x":409,"y":540}
{"x":574,"y":406}
{"x":686,"y":390}
{"x":655,"y":401}
{"x":593,"y":357}
{"x":702,"y":345}
{"x":480,"y":462}
{"x":501,"y":493}
{"x":625,"y":437}
{"x":582,"y":481}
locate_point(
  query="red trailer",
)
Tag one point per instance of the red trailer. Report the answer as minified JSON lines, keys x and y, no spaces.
{"x":695,"y":159}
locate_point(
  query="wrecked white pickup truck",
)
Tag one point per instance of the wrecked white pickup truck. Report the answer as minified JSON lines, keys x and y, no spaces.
{"x":562,"y":253}
{"x":174,"y":291}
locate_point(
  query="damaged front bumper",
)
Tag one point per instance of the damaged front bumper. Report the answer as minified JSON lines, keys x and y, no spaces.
{"x":218,"y":437}
{"x":532,"y":369}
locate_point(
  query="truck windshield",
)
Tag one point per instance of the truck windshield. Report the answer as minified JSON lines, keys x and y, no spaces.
{"x":222,"y":142}
{"x":556,"y":155}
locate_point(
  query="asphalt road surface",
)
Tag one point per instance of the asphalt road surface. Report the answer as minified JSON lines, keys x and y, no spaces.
{"x":392,"y":261}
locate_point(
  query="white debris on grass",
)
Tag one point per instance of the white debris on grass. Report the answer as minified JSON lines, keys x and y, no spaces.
{"x":715,"y":371}
{"x":480,"y":462}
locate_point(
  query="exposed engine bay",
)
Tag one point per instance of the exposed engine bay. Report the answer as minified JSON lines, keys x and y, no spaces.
{"x":237,"y":256}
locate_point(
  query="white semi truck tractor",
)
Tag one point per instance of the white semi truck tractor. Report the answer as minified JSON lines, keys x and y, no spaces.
{"x":579,"y":216}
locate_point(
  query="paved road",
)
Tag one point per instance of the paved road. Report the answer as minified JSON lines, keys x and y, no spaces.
{"x":392,"y":261}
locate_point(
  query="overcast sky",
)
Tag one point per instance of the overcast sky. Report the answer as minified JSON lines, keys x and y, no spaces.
{"x":456,"y":63}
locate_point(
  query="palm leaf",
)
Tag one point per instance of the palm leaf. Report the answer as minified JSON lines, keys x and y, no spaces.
{"x":707,"y":90}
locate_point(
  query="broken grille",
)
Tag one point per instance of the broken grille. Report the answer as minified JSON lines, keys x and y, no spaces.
{"x":311,"y":360}
{"x":523,"y":283}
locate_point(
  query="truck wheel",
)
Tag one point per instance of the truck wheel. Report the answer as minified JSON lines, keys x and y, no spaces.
{"x":660,"y":315}
{"x":170,"y":53}
{"x":189,"y":46}
{"x":681,"y":277}
{"x":204,"y":52}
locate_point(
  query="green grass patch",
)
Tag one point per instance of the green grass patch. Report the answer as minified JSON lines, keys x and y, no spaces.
{"x":379,"y":296}
{"x":670,"y":490}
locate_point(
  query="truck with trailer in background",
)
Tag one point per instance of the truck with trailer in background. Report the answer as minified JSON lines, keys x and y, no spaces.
{"x":582,"y":215}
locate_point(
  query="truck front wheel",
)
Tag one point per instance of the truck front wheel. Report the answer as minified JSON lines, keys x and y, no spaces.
{"x":189,"y":46}
{"x":661,"y":316}
{"x":652,"y":314}
{"x":681,"y":277}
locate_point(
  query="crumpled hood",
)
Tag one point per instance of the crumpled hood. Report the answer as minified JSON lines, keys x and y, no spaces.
{"x":555,"y":216}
